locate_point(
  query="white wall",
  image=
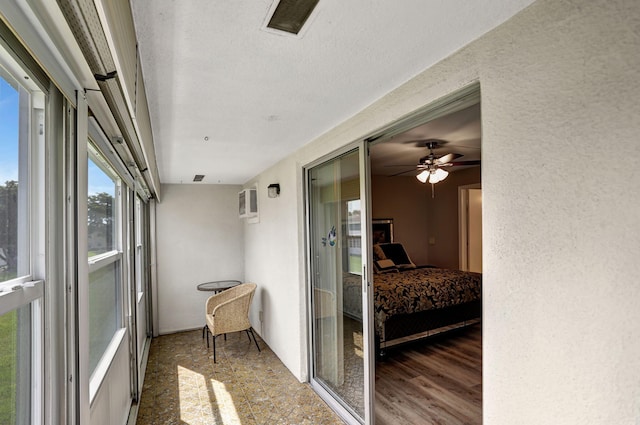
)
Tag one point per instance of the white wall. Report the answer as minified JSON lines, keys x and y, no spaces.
{"x":560,"y":183}
{"x":560,"y":92}
{"x":199,"y":238}
{"x":273,"y":247}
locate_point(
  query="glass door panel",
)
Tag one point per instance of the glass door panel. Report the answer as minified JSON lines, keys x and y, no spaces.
{"x":338,"y":346}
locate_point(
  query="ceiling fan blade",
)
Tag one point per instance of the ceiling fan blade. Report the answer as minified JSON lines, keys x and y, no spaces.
{"x":448,"y":157}
{"x":460,"y":163}
{"x":402,"y":172}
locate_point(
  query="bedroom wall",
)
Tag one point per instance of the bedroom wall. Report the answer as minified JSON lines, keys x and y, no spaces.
{"x":417,"y":217}
{"x":559,"y":93}
{"x":405,"y":200}
{"x":199,"y":238}
{"x":442,"y":218}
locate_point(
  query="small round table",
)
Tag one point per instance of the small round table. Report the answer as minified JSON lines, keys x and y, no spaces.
{"x":216,"y":286}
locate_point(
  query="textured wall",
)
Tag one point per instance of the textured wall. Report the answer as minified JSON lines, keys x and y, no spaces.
{"x":560,"y":96}
{"x":199,"y":238}
{"x":274,"y":252}
{"x":561,"y":236}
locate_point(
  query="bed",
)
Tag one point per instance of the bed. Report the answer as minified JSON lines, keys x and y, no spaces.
{"x":410,"y":300}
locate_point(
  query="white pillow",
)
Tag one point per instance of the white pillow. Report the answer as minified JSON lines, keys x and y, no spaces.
{"x":386,"y":265}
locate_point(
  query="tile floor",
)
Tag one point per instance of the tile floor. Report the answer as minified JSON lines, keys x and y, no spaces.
{"x":351,"y":390}
{"x":183,"y":385}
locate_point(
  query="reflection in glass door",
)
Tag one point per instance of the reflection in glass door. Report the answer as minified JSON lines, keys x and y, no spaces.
{"x":339,"y":359}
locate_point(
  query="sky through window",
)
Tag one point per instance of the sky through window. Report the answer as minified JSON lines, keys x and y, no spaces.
{"x":9,"y":102}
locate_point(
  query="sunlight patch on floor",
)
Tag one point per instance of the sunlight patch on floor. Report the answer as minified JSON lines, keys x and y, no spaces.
{"x":245,"y":387}
{"x":188,"y":398}
{"x":225,"y":403}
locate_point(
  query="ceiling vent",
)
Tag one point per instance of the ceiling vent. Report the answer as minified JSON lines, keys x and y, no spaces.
{"x":291,"y":15}
{"x":198,"y":177}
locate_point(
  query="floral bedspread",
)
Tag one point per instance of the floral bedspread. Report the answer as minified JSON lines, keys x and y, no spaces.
{"x":414,"y":290}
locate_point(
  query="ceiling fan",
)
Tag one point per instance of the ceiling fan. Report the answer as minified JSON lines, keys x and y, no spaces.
{"x":432,"y":167}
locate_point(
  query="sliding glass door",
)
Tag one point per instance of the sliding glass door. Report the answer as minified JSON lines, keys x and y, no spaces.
{"x":340,"y":360}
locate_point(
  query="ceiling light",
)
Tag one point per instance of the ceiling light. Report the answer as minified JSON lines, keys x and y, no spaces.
{"x":439,"y":174}
{"x":423,"y":176}
{"x":290,"y":15}
{"x":432,"y":175}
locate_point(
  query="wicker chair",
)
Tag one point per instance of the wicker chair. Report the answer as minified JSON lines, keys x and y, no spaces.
{"x":228,"y":311}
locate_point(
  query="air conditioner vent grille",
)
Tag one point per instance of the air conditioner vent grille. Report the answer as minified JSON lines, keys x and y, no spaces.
{"x":291,"y":15}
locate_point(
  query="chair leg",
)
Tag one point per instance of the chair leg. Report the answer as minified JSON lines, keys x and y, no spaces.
{"x":207,"y":338}
{"x":254,"y":339}
{"x":248,"y":336}
{"x":214,"y":348}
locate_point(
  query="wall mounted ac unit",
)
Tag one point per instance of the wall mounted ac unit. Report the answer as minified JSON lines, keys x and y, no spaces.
{"x":248,"y":203}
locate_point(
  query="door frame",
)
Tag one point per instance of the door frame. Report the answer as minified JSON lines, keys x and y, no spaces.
{"x":367,"y":294}
{"x":463,"y":224}
{"x":457,"y":100}
{"x":451,"y":102}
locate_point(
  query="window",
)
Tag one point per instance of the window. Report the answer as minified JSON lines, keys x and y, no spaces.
{"x":104,"y":310}
{"x":105,"y":258}
{"x":21,"y":138}
{"x":100,"y":203}
{"x":14,"y":237}
{"x":15,"y":338}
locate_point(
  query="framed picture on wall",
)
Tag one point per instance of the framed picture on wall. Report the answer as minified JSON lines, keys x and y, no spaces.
{"x":382,"y":230}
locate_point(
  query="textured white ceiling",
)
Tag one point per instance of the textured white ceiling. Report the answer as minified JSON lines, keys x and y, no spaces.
{"x":212,"y":71}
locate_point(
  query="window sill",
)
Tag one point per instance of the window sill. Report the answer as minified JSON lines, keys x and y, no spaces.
{"x":97,"y":378}
{"x":21,"y":293}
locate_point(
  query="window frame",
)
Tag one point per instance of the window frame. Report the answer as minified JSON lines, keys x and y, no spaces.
{"x":27,"y":288}
{"x":105,"y":259}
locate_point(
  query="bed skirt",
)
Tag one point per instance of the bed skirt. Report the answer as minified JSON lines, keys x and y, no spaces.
{"x":415,"y":324}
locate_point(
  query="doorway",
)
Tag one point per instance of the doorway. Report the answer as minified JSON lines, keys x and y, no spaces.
{"x":432,"y":376}
{"x":376,"y":180}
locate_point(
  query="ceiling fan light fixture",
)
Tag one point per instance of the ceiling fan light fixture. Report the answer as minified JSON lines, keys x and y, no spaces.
{"x":423,"y":176}
{"x":439,"y":174}
{"x":433,"y":176}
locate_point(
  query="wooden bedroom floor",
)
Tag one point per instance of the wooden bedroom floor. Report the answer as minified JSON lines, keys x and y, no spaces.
{"x":437,"y":381}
